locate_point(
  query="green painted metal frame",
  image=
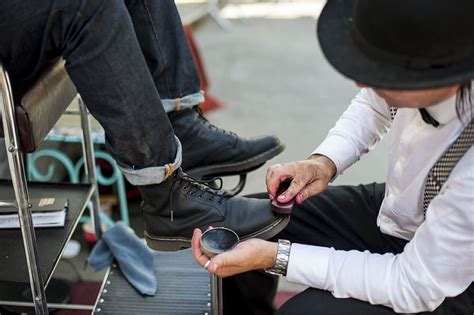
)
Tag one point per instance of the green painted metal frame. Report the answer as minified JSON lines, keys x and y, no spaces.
{"x":74,"y":170}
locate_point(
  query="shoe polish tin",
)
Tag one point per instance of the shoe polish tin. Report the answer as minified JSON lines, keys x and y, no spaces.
{"x":218,"y":240}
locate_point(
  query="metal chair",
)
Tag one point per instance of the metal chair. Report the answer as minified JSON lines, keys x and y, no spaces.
{"x":28,"y":114}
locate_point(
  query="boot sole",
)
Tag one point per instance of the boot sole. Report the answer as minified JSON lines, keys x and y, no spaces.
{"x":236,"y":168}
{"x":178,"y":243}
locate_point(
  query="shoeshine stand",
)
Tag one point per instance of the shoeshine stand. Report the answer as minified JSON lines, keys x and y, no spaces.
{"x":213,"y":242}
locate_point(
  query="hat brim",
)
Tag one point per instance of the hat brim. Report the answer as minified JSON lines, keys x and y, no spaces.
{"x":334,"y":34}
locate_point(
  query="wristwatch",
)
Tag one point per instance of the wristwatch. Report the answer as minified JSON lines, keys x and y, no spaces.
{"x":281,"y":262}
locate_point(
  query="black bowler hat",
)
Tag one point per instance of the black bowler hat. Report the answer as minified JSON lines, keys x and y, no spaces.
{"x":400,"y":44}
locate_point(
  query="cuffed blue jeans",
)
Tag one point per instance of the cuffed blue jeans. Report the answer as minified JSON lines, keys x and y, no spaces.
{"x":129,"y":60}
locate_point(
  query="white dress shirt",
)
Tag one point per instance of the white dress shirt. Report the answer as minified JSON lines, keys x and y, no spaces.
{"x":438,"y":261}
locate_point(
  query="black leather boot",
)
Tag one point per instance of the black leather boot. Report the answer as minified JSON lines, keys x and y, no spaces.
{"x":173,"y":209}
{"x":211,"y":151}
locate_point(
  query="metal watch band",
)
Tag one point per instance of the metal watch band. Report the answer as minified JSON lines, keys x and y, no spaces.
{"x":283,"y":255}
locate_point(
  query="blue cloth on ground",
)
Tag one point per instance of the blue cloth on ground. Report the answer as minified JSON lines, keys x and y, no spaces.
{"x":135,"y":259}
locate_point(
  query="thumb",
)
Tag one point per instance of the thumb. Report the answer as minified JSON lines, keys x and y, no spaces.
{"x":218,"y":262}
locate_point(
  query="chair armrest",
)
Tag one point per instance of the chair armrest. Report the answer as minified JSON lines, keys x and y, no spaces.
{"x":40,"y":103}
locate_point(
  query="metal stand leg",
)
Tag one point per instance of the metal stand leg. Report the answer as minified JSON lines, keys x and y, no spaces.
{"x":216,"y":295}
{"x":15,"y":161}
{"x":89,"y":166}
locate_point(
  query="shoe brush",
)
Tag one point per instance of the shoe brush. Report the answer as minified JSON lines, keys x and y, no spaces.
{"x":283,"y":207}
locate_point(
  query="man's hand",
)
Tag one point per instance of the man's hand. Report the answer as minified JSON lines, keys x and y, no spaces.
{"x":248,"y":255}
{"x":308,"y":178}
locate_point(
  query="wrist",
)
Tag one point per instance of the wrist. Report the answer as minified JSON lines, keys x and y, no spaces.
{"x":327,"y":164}
{"x":271,"y":255}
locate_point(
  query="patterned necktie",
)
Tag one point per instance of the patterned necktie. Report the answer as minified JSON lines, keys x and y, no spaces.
{"x":440,"y":171}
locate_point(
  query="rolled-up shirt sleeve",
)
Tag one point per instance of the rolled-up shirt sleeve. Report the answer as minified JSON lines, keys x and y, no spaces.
{"x":438,"y":262}
{"x":361,"y":126}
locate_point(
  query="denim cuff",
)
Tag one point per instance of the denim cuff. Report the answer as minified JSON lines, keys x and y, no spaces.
{"x":152,"y":175}
{"x":187,"y":101}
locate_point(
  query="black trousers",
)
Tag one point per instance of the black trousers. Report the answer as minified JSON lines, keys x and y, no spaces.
{"x":343,"y":217}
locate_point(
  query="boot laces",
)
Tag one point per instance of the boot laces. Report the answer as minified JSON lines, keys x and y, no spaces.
{"x":203,"y":186}
{"x":214,"y":127}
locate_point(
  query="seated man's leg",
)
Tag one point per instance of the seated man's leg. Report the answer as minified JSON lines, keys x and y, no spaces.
{"x":207,"y":150}
{"x":313,"y":301}
{"x":343,"y":217}
{"x":105,"y":62}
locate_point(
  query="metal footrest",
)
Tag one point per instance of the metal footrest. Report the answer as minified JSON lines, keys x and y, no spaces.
{"x":183,"y":288}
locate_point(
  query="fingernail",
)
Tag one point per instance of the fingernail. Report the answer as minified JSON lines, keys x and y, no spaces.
{"x":271,"y":197}
{"x":281,"y":197}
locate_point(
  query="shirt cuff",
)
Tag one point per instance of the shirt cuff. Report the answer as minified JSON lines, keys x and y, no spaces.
{"x":308,"y":265}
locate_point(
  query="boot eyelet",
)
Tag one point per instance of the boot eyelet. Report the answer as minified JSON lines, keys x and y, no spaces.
{"x":199,"y":196}
{"x":185,"y":188}
{"x":191,"y":194}
{"x":219,"y":202}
